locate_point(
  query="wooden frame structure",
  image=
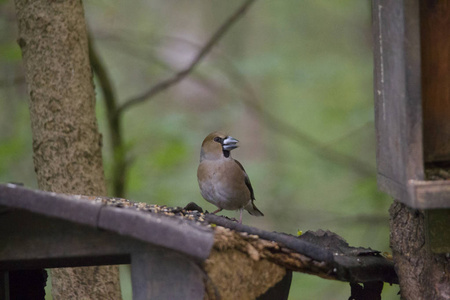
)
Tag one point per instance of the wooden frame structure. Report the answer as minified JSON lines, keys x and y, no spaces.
{"x":412,"y":99}
{"x":45,"y":230}
{"x":412,"y":108}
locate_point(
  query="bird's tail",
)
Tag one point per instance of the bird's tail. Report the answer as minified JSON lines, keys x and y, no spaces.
{"x":253,"y":210}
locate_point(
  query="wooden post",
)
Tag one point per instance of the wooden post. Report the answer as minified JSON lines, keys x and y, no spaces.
{"x":412,"y":99}
{"x":397,"y":92}
{"x":164,"y":274}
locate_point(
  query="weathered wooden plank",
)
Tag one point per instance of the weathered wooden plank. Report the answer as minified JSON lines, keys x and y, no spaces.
{"x":44,"y":230}
{"x":181,"y":235}
{"x":429,"y":194}
{"x":397,"y":89}
{"x":311,"y":250}
{"x":435,"y":49}
{"x":29,"y":241}
{"x":165,"y":275}
{"x":174,"y":233}
{"x":50,"y":204}
{"x":339,"y":260}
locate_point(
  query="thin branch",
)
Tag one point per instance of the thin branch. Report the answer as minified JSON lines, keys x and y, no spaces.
{"x":283,"y":128}
{"x":114,"y":112}
{"x":313,"y":145}
{"x":119,"y":168}
{"x":345,"y":263}
{"x":251,"y":100}
{"x":349,"y":135}
{"x":165,"y":84}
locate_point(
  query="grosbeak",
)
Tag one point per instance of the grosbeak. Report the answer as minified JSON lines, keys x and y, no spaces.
{"x":222,"y":179}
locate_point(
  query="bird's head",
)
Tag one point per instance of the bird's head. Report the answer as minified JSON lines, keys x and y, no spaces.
{"x":217,"y":145}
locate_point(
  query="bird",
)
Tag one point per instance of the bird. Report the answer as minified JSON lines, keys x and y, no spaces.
{"x":222,"y":179}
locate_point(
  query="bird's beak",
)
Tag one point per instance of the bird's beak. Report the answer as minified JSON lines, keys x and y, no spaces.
{"x":229,"y":143}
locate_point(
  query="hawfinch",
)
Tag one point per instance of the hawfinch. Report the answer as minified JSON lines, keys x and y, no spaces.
{"x":222,"y":180}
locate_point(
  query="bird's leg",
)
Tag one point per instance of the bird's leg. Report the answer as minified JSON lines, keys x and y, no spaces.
{"x":216,"y":211}
{"x":240,"y":215}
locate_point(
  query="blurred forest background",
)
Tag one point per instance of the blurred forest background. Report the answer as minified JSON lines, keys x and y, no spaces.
{"x":292,"y":80}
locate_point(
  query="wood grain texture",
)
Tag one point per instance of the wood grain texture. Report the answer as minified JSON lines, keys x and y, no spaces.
{"x":412,"y":97}
{"x":161,"y":229}
{"x":435,"y":57}
{"x":44,"y":242}
{"x":161,"y":274}
{"x":397,"y":93}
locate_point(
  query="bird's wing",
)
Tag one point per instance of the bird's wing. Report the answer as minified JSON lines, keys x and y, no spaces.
{"x":247,"y":181}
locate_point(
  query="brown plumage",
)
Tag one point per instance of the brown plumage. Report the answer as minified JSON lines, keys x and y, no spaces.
{"x":222,"y":179}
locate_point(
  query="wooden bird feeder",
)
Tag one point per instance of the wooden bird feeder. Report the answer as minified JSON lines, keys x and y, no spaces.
{"x":412,"y":107}
{"x":46,"y":230}
{"x":174,"y":253}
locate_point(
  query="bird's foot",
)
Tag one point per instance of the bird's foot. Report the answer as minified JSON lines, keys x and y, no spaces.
{"x":240,"y":215}
{"x":233,"y":219}
{"x":216,"y":211}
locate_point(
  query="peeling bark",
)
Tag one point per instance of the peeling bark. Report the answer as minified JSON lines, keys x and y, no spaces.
{"x":234,"y":276}
{"x":237,"y":267}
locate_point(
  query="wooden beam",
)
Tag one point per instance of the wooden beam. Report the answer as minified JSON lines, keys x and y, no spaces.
{"x":412,"y":98}
{"x":31,"y":241}
{"x":322,"y":253}
{"x":397,"y":92}
{"x":101,"y":213}
{"x":161,"y":274}
{"x":429,"y":194}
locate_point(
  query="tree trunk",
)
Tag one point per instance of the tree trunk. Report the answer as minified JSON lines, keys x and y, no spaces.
{"x":66,"y":141}
{"x":422,"y":273}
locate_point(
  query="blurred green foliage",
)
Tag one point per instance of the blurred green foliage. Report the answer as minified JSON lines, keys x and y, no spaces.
{"x":308,"y":63}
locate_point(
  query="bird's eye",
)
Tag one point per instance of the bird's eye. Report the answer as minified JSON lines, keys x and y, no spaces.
{"x":217,"y":139}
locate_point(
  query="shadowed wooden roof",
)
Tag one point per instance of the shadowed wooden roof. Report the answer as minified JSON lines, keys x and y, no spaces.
{"x":117,"y":215}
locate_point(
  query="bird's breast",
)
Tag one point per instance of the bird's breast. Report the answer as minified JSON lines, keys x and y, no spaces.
{"x":222,"y":185}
